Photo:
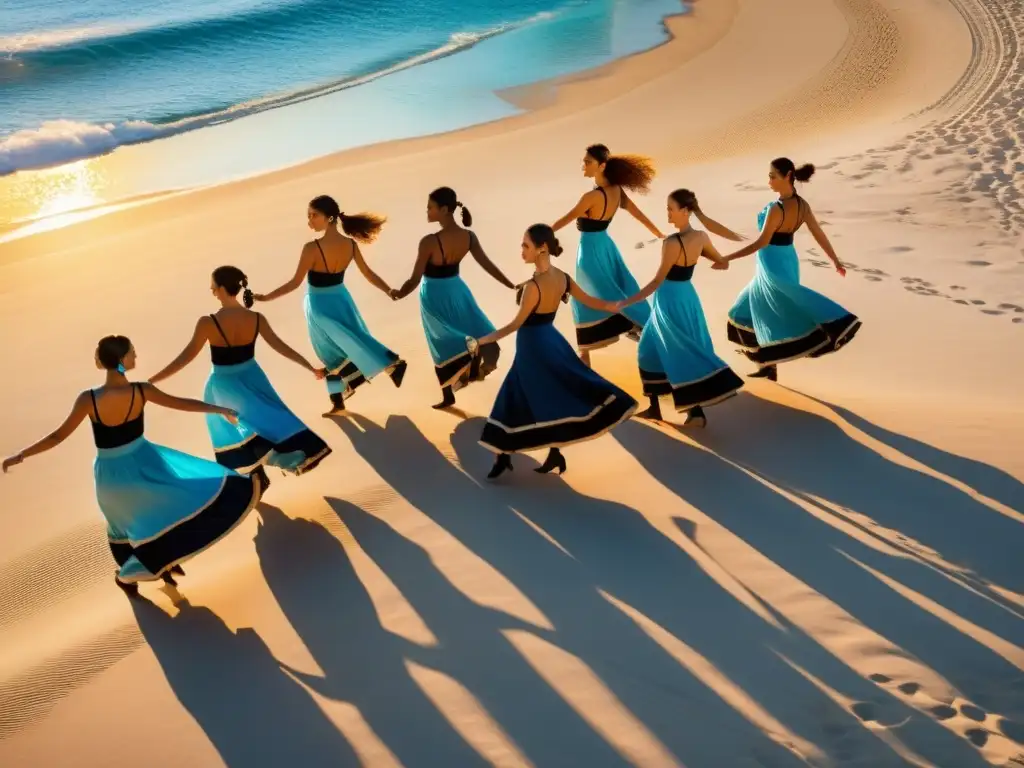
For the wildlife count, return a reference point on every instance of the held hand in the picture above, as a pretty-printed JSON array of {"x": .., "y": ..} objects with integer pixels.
[
  {"x": 231, "y": 415},
  {"x": 840, "y": 269},
  {"x": 13, "y": 461},
  {"x": 393, "y": 293},
  {"x": 259, "y": 297},
  {"x": 617, "y": 306},
  {"x": 720, "y": 265},
  {"x": 320, "y": 373}
]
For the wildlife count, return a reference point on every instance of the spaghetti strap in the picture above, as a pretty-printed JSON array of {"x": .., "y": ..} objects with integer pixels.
[
  {"x": 95, "y": 410},
  {"x": 257, "y": 335},
  {"x": 683, "y": 246},
  {"x": 220, "y": 330},
  {"x": 131, "y": 405},
  {"x": 142, "y": 393},
  {"x": 441, "y": 246},
  {"x": 604, "y": 206},
  {"x": 322, "y": 256}
]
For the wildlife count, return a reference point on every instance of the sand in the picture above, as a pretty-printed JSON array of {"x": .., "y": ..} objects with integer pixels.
[{"x": 828, "y": 575}]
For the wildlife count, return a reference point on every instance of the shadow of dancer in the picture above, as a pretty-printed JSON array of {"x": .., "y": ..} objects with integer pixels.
[
  {"x": 984, "y": 478},
  {"x": 474, "y": 651},
  {"x": 254, "y": 714},
  {"x": 688, "y": 718},
  {"x": 825, "y": 558},
  {"x": 320, "y": 593},
  {"x": 809, "y": 454}
]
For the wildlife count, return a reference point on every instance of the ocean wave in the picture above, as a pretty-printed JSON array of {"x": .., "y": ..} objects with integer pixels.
[{"x": 61, "y": 141}]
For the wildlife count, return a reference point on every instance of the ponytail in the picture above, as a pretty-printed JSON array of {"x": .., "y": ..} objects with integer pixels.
[
  {"x": 445, "y": 197},
  {"x": 632, "y": 172},
  {"x": 790, "y": 172},
  {"x": 363, "y": 227}
]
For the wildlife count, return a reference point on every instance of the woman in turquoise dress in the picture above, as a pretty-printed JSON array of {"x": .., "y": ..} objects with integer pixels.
[
  {"x": 266, "y": 432},
  {"x": 776, "y": 319},
  {"x": 161, "y": 506},
  {"x": 447, "y": 308},
  {"x": 340, "y": 338},
  {"x": 600, "y": 269},
  {"x": 675, "y": 355},
  {"x": 549, "y": 398}
]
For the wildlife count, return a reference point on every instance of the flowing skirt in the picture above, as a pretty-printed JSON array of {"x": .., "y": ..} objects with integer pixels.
[
  {"x": 601, "y": 272},
  {"x": 163, "y": 506},
  {"x": 342, "y": 341},
  {"x": 450, "y": 314},
  {"x": 550, "y": 399},
  {"x": 676, "y": 355},
  {"x": 776, "y": 319},
  {"x": 267, "y": 432}
]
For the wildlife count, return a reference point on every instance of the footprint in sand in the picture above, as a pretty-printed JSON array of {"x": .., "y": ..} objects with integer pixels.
[
  {"x": 943, "y": 711},
  {"x": 973, "y": 712},
  {"x": 979, "y": 263},
  {"x": 1013, "y": 307},
  {"x": 978, "y": 302},
  {"x": 1018, "y": 319},
  {"x": 957, "y": 288},
  {"x": 900, "y": 249},
  {"x": 909, "y": 688},
  {"x": 873, "y": 278},
  {"x": 873, "y": 271},
  {"x": 977, "y": 736},
  {"x": 993, "y": 312}
]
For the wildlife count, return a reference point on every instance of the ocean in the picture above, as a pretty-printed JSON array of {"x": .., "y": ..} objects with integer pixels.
[{"x": 81, "y": 78}]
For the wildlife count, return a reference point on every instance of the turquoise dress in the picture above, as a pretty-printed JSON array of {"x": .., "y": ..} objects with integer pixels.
[
  {"x": 267, "y": 432},
  {"x": 675, "y": 355},
  {"x": 775, "y": 318},
  {"x": 340, "y": 338},
  {"x": 161, "y": 506},
  {"x": 601, "y": 272},
  {"x": 450, "y": 314},
  {"x": 549, "y": 398}
]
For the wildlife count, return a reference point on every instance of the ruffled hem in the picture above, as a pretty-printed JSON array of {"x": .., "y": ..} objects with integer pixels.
[
  {"x": 780, "y": 351},
  {"x": 712, "y": 389},
  {"x": 604, "y": 332},
  {"x": 238, "y": 496},
  {"x": 500, "y": 438},
  {"x": 465, "y": 368},
  {"x": 258, "y": 450}
]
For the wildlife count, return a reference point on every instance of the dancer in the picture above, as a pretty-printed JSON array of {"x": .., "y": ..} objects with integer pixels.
[
  {"x": 600, "y": 269},
  {"x": 266, "y": 431},
  {"x": 549, "y": 398},
  {"x": 161, "y": 506},
  {"x": 447, "y": 308},
  {"x": 776, "y": 319},
  {"x": 676, "y": 355},
  {"x": 339, "y": 336}
]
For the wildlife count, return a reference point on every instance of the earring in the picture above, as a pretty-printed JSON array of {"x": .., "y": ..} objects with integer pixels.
[{"x": 120, "y": 367}]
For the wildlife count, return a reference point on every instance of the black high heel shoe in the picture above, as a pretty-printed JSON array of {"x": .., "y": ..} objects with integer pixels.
[
  {"x": 555, "y": 460},
  {"x": 447, "y": 401},
  {"x": 503, "y": 462},
  {"x": 398, "y": 372},
  {"x": 129, "y": 588},
  {"x": 337, "y": 405},
  {"x": 695, "y": 417},
  {"x": 769, "y": 372}
]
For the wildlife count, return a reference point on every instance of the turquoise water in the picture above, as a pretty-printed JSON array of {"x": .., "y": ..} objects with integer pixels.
[{"x": 234, "y": 88}]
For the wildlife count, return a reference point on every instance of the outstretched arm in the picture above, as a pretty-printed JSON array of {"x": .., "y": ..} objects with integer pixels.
[
  {"x": 422, "y": 257},
  {"x": 527, "y": 303},
  {"x": 195, "y": 345},
  {"x": 275, "y": 343},
  {"x": 79, "y": 411},
  {"x": 578, "y": 210},
  {"x": 771, "y": 223},
  {"x": 670, "y": 250},
  {"x": 819, "y": 234},
  {"x": 158, "y": 396},
  {"x": 368, "y": 273},
  {"x": 305, "y": 262},
  {"x": 637, "y": 214},
  {"x": 593, "y": 302},
  {"x": 708, "y": 251},
  {"x": 715, "y": 228},
  {"x": 489, "y": 267}
]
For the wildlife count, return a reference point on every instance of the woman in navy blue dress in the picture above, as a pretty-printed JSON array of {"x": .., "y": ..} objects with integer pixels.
[{"x": 549, "y": 398}]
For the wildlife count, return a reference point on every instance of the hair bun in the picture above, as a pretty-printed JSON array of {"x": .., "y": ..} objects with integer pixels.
[{"x": 556, "y": 248}]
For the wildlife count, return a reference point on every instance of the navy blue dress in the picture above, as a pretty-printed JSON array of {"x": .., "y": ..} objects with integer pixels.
[{"x": 549, "y": 398}]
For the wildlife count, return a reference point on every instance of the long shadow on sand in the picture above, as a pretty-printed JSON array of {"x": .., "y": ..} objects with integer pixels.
[
  {"x": 825, "y": 557},
  {"x": 983, "y": 478},
  {"x": 252, "y": 712},
  {"x": 605, "y": 546},
  {"x": 319, "y": 591}
]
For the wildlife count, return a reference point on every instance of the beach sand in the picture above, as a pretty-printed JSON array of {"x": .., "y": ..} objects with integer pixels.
[{"x": 830, "y": 574}]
